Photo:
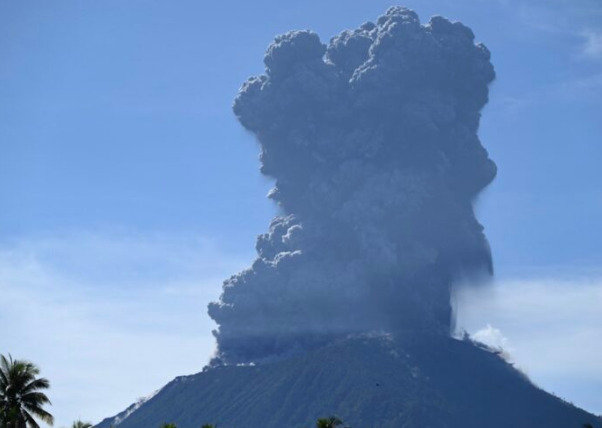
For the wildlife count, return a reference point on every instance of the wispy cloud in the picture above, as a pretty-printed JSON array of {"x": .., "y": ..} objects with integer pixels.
[
  {"x": 578, "y": 88},
  {"x": 576, "y": 24},
  {"x": 592, "y": 46},
  {"x": 558, "y": 15},
  {"x": 572, "y": 30},
  {"x": 109, "y": 316},
  {"x": 534, "y": 317}
]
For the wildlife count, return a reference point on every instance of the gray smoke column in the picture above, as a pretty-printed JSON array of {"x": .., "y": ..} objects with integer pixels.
[{"x": 372, "y": 141}]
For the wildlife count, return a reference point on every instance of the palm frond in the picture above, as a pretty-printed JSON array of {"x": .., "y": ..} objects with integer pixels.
[
  {"x": 30, "y": 420},
  {"x": 35, "y": 399},
  {"x": 36, "y": 384},
  {"x": 40, "y": 414},
  {"x": 21, "y": 399}
]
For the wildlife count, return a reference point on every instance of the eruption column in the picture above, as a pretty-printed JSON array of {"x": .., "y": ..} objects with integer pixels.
[{"x": 372, "y": 141}]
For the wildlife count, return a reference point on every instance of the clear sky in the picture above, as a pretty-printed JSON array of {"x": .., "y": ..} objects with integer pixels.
[{"x": 128, "y": 191}]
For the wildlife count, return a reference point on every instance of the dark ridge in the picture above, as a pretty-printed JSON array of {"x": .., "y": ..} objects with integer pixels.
[{"x": 368, "y": 382}]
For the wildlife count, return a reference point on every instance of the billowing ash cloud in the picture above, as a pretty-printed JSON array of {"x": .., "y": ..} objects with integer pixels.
[{"x": 373, "y": 144}]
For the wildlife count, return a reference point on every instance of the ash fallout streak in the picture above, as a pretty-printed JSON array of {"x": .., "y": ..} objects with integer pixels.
[{"x": 372, "y": 141}]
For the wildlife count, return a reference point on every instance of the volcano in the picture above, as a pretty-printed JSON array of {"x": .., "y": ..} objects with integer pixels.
[
  {"x": 372, "y": 143},
  {"x": 369, "y": 381}
]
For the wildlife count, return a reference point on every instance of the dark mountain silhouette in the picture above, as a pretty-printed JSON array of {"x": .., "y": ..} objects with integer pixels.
[{"x": 412, "y": 381}]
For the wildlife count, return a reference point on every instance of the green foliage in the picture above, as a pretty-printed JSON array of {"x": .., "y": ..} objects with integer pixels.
[
  {"x": 21, "y": 398},
  {"x": 329, "y": 422},
  {"x": 81, "y": 424}
]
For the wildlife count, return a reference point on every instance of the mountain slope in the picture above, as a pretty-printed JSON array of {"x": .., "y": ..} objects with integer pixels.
[{"x": 368, "y": 382}]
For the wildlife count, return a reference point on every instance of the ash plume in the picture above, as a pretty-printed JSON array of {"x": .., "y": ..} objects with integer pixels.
[{"x": 372, "y": 142}]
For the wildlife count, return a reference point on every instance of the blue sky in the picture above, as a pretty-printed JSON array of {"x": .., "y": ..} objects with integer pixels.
[{"x": 129, "y": 191}]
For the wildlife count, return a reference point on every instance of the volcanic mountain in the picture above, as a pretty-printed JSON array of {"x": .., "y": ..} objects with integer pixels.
[{"x": 367, "y": 381}]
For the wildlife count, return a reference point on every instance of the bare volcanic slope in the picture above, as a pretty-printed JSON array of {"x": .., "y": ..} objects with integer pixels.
[{"x": 379, "y": 382}]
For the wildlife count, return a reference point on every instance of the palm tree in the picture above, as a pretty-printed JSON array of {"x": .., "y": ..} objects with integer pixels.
[
  {"x": 21, "y": 398},
  {"x": 329, "y": 422},
  {"x": 80, "y": 424}
]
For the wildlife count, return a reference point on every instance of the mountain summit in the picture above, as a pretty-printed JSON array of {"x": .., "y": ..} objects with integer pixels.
[{"x": 377, "y": 381}]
